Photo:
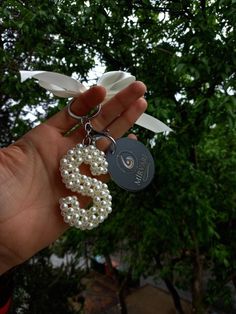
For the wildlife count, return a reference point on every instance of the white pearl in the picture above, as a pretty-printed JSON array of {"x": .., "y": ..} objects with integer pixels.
[
  {"x": 69, "y": 167},
  {"x": 76, "y": 216},
  {"x": 97, "y": 199},
  {"x": 77, "y": 182},
  {"x": 64, "y": 207},
  {"x": 64, "y": 173},
  {"x": 69, "y": 184},
  {"x": 94, "y": 217},
  {"x": 79, "y": 159},
  {"x": 103, "y": 203},
  {"x": 78, "y": 224},
  {"x": 76, "y": 204},
  {"x": 87, "y": 184},
  {"x": 101, "y": 218},
  {"x": 82, "y": 211},
  {"x": 93, "y": 209},
  {"x": 64, "y": 162},
  {"x": 85, "y": 219},
  {"x": 71, "y": 210},
  {"x": 91, "y": 192},
  {"x": 67, "y": 218},
  {"x": 109, "y": 197}
]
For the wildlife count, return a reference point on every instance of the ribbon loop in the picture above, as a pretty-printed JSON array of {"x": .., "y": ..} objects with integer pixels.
[{"x": 64, "y": 86}]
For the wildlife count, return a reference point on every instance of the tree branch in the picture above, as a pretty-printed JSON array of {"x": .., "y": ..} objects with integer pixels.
[{"x": 171, "y": 288}]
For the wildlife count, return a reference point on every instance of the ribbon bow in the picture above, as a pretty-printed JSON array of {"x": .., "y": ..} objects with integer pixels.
[{"x": 64, "y": 86}]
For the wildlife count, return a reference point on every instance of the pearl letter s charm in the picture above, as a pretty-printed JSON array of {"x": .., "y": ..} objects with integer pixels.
[{"x": 75, "y": 181}]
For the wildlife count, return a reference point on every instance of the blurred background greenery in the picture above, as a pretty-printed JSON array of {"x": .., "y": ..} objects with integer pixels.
[{"x": 182, "y": 227}]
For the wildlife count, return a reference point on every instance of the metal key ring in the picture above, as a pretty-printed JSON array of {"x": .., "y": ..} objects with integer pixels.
[
  {"x": 105, "y": 134},
  {"x": 93, "y": 135},
  {"x": 82, "y": 119}
]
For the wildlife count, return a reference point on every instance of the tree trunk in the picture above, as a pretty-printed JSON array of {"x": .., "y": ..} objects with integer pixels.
[
  {"x": 234, "y": 282},
  {"x": 121, "y": 286},
  {"x": 121, "y": 297},
  {"x": 197, "y": 285},
  {"x": 86, "y": 257},
  {"x": 174, "y": 294}
]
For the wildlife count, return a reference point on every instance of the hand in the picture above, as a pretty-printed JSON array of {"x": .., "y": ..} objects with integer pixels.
[{"x": 30, "y": 182}]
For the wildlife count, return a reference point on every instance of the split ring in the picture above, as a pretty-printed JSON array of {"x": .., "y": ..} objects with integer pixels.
[{"x": 82, "y": 119}]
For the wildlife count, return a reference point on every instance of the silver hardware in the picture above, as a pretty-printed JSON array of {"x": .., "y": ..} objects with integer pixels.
[
  {"x": 82, "y": 119},
  {"x": 92, "y": 136}
]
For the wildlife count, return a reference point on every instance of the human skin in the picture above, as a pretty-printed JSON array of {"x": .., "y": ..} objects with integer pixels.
[{"x": 30, "y": 182}]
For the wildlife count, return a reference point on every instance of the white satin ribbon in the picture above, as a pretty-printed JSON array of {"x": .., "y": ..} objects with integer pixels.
[{"x": 64, "y": 86}]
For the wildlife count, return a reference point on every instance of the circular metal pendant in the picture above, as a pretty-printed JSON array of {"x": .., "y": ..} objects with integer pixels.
[{"x": 130, "y": 164}]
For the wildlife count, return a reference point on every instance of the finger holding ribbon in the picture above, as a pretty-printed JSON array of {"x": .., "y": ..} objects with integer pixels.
[{"x": 117, "y": 114}]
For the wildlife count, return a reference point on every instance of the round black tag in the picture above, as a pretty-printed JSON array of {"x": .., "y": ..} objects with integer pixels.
[{"x": 130, "y": 164}]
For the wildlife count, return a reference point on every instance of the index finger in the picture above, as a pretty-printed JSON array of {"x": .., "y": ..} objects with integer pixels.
[{"x": 81, "y": 106}]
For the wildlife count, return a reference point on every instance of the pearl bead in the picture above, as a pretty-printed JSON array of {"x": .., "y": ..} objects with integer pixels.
[
  {"x": 97, "y": 199},
  {"x": 109, "y": 197},
  {"x": 64, "y": 161},
  {"x": 101, "y": 218},
  {"x": 79, "y": 159},
  {"x": 76, "y": 203},
  {"x": 71, "y": 210},
  {"x": 85, "y": 219},
  {"x": 70, "y": 184},
  {"x": 94, "y": 217},
  {"x": 93, "y": 209},
  {"x": 76, "y": 217},
  {"x": 65, "y": 173},
  {"x": 90, "y": 192},
  {"x": 82, "y": 212},
  {"x": 67, "y": 218},
  {"x": 78, "y": 224},
  {"x": 64, "y": 206}
]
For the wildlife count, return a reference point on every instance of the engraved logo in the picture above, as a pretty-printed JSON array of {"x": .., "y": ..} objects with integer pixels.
[{"x": 127, "y": 161}]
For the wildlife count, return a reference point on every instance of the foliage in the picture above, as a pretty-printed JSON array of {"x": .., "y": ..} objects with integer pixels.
[
  {"x": 182, "y": 227},
  {"x": 36, "y": 293}
]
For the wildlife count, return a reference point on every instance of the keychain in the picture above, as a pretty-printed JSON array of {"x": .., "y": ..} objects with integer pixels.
[
  {"x": 85, "y": 185},
  {"x": 128, "y": 161}
]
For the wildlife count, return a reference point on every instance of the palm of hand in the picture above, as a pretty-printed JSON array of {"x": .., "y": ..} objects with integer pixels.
[{"x": 29, "y": 174}]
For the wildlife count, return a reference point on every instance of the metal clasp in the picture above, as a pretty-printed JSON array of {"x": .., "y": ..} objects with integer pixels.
[{"x": 92, "y": 136}]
